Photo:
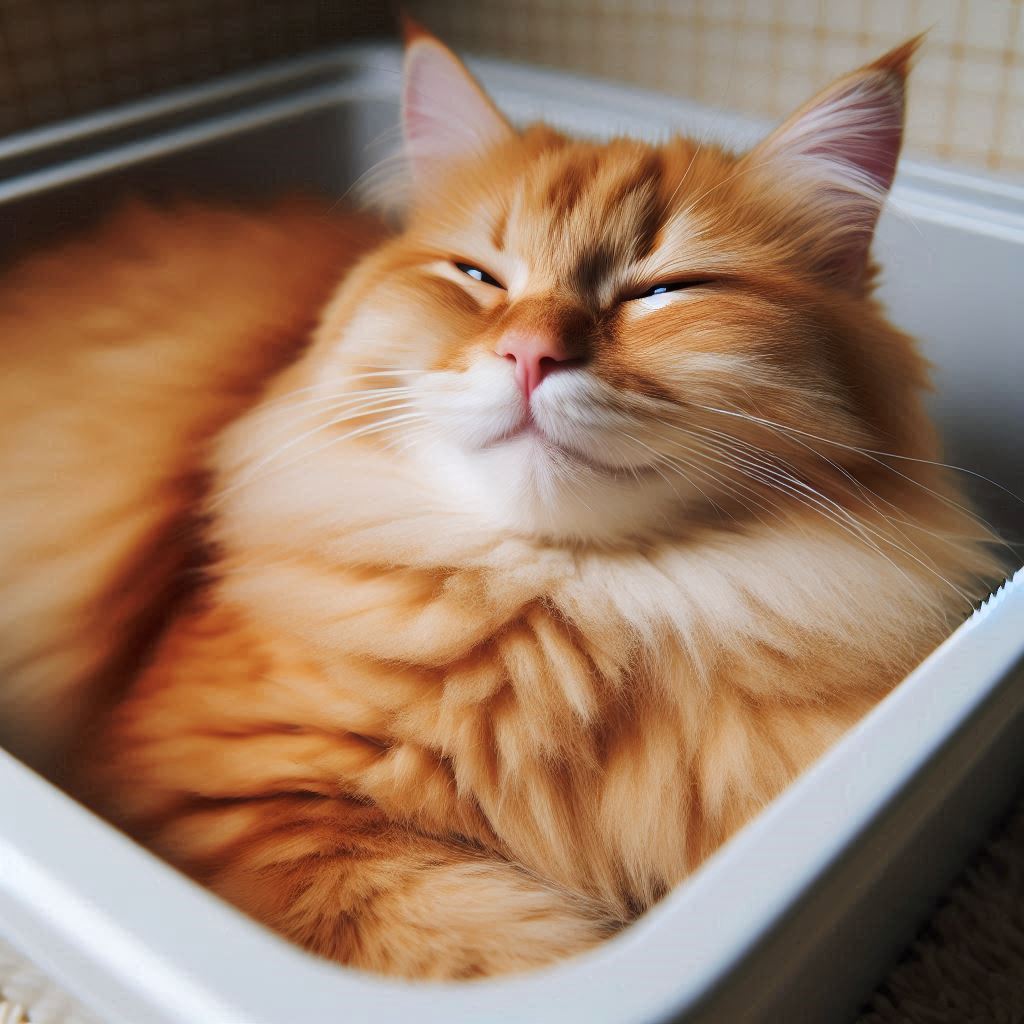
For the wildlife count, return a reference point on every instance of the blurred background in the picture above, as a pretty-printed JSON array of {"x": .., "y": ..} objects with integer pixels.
[{"x": 59, "y": 58}]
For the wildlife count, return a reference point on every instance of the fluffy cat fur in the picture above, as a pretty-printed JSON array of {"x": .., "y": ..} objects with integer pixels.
[
  {"x": 123, "y": 353},
  {"x": 478, "y": 671}
]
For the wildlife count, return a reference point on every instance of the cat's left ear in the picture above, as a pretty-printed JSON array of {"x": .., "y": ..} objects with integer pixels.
[
  {"x": 838, "y": 154},
  {"x": 446, "y": 116}
]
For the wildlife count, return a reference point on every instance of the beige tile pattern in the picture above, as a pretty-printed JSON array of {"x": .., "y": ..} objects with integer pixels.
[
  {"x": 59, "y": 58},
  {"x": 63, "y": 57},
  {"x": 766, "y": 56}
]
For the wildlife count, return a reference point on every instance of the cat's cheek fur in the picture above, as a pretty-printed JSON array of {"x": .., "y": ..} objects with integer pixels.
[{"x": 475, "y": 408}]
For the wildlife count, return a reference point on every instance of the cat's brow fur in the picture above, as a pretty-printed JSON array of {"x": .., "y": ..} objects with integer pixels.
[{"x": 453, "y": 701}]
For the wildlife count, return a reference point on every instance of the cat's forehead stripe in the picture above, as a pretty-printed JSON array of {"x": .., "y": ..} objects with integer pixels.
[
  {"x": 499, "y": 228},
  {"x": 570, "y": 181},
  {"x": 600, "y": 206}
]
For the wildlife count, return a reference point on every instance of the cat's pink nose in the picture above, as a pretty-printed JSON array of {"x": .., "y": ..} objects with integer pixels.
[{"x": 535, "y": 354}]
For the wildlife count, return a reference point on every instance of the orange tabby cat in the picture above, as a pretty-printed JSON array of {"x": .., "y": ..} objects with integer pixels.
[{"x": 563, "y": 548}]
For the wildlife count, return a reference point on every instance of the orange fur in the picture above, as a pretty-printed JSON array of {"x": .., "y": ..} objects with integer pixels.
[
  {"x": 471, "y": 683},
  {"x": 123, "y": 352}
]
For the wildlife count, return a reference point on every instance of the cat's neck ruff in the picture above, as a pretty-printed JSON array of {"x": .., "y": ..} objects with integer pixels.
[{"x": 777, "y": 584}]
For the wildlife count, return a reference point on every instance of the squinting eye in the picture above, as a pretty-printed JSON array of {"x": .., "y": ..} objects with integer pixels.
[
  {"x": 673, "y": 286},
  {"x": 479, "y": 275}
]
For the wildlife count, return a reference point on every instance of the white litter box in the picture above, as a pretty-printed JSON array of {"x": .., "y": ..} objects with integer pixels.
[{"x": 800, "y": 914}]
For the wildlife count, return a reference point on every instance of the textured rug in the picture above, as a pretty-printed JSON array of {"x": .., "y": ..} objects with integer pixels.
[
  {"x": 27, "y": 996},
  {"x": 967, "y": 964},
  {"x": 965, "y": 967}
]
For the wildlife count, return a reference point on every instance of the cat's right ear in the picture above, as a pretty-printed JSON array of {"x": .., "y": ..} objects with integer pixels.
[{"x": 446, "y": 116}]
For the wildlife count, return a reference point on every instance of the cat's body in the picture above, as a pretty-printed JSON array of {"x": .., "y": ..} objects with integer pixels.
[
  {"x": 521, "y": 600},
  {"x": 324, "y": 735},
  {"x": 122, "y": 354}
]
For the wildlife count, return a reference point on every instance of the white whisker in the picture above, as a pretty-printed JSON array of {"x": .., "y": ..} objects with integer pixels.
[
  {"x": 258, "y": 470},
  {"x": 871, "y": 454}
]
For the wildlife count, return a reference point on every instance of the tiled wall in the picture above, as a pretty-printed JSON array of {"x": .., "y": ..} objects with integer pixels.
[
  {"x": 59, "y": 58},
  {"x": 63, "y": 57},
  {"x": 767, "y": 56}
]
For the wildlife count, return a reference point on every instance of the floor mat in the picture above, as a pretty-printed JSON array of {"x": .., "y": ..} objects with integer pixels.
[{"x": 967, "y": 964}]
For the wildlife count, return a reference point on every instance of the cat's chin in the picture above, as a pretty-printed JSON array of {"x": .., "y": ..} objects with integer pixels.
[
  {"x": 549, "y": 455},
  {"x": 528, "y": 484}
]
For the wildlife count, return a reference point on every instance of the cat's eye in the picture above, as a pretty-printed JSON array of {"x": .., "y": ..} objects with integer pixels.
[
  {"x": 669, "y": 286},
  {"x": 479, "y": 275}
]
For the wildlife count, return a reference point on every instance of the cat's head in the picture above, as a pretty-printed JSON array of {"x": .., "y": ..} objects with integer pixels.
[{"x": 596, "y": 340}]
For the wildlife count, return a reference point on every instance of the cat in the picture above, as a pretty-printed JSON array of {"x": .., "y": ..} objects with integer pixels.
[{"x": 564, "y": 546}]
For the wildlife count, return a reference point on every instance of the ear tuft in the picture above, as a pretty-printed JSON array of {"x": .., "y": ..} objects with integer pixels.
[
  {"x": 900, "y": 58},
  {"x": 446, "y": 116},
  {"x": 411, "y": 29}
]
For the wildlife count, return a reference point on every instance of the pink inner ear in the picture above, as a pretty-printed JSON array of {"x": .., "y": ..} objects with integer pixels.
[
  {"x": 848, "y": 139},
  {"x": 446, "y": 115},
  {"x": 842, "y": 150},
  {"x": 860, "y": 129}
]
